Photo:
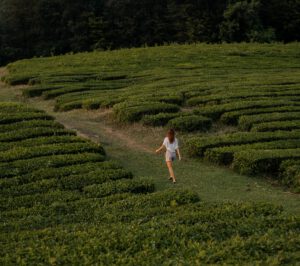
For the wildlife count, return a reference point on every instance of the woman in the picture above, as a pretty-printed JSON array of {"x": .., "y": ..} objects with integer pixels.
[{"x": 171, "y": 145}]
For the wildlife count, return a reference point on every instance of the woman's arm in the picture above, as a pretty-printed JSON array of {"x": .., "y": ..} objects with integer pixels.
[
  {"x": 178, "y": 153},
  {"x": 160, "y": 149}
]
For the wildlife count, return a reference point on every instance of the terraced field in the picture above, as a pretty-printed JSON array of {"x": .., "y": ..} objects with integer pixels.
[
  {"x": 63, "y": 203},
  {"x": 241, "y": 103}
]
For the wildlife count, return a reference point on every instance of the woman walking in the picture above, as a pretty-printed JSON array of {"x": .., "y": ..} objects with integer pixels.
[{"x": 170, "y": 144}]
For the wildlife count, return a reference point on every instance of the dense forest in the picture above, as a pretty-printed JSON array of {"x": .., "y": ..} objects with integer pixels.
[{"x": 48, "y": 27}]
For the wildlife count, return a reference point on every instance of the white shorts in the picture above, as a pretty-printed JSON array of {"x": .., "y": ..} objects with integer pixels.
[{"x": 170, "y": 156}]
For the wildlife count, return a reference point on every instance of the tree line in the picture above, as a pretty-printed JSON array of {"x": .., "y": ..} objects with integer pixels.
[{"x": 31, "y": 28}]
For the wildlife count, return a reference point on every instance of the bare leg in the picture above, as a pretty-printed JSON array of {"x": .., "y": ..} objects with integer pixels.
[{"x": 170, "y": 167}]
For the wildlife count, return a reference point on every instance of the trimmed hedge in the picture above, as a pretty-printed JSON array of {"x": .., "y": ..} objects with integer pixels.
[
  {"x": 21, "y": 153},
  {"x": 290, "y": 174},
  {"x": 277, "y": 125},
  {"x": 11, "y": 107},
  {"x": 131, "y": 112},
  {"x": 73, "y": 182},
  {"x": 7, "y": 118},
  {"x": 99, "y": 176},
  {"x": 38, "y": 141},
  {"x": 231, "y": 118},
  {"x": 28, "y": 201},
  {"x": 253, "y": 162},
  {"x": 36, "y": 91},
  {"x": 27, "y": 133},
  {"x": 160, "y": 119},
  {"x": 22, "y": 167},
  {"x": 64, "y": 171},
  {"x": 224, "y": 155},
  {"x": 198, "y": 145},
  {"x": 135, "y": 186},
  {"x": 190, "y": 123},
  {"x": 215, "y": 111},
  {"x": 239, "y": 95},
  {"x": 246, "y": 121},
  {"x": 30, "y": 124}
]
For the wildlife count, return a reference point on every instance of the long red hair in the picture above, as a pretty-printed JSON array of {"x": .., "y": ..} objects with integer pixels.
[{"x": 171, "y": 135}]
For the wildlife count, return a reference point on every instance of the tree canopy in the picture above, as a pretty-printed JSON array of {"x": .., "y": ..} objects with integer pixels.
[{"x": 31, "y": 28}]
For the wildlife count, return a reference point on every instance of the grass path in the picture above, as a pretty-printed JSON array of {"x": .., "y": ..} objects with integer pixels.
[{"x": 133, "y": 146}]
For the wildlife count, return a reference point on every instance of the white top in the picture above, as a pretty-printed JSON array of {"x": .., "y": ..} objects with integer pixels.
[{"x": 171, "y": 147}]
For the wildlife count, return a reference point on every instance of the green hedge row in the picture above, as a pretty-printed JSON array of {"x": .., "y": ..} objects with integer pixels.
[
  {"x": 190, "y": 123},
  {"x": 117, "y": 203},
  {"x": 231, "y": 118},
  {"x": 22, "y": 167},
  {"x": 247, "y": 121},
  {"x": 198, "y": 145},
  {"x": 38, "y": 141},
  {"x": 120, "y": 186},
  {"x": 64, "y": 171},
  {"x": 144, "y": 239},
  {"x": 28, "y": 201},
  {"x": 290, "y": 174},
  {"x": 27, "y": 133},
  {"x": 18, "y": 79},
  {"x": 240, "y": 95},
  {"x": 225, "y": 155},
  {"x": 275, "y": 126},
  {"x": 22, "y": 153},
  {"x": 131, "y": 112},
  {"x": 160, "y": 119},
  {"x": 252, "y": 162},
  {"x": 38, "y": 90},
  {"x": 115, "y": 208},
  {"x": 73, "y": 182},
  {"x": 7, "y": 118},
  {"x": 11, "y": 107},
  {"x": 29, "y": 124},
  {"x": 215, "y": 111},
  {"x": 99, "y": 176}
]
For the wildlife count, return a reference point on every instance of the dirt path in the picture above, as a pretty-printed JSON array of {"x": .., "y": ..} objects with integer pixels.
[{"x": 88, "y": 126}]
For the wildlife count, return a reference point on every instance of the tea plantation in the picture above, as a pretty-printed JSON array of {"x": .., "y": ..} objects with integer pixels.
[
  {"x": 63, "y": 203},
  {"x": 241, "y": 103}
]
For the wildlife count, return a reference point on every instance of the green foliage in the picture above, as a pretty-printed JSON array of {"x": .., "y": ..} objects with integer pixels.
[
  {"x": 120, "y": 186},
  {"x": 277, "y": 125},
  {"x": 215, "y": 111},
  {"x": 62, "y": 189},
  {"x": 198, "y": 145},
  {"x": 134, "y": 111},
  {"x": 290, "y": 174},
  {"x": 253, "y": 162},
  {"x": 225, "y": 155},
  {"x": 246, "y": 121},
  {"x": 160, "y": 119},
  {"x": 190, "y": 123}
]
